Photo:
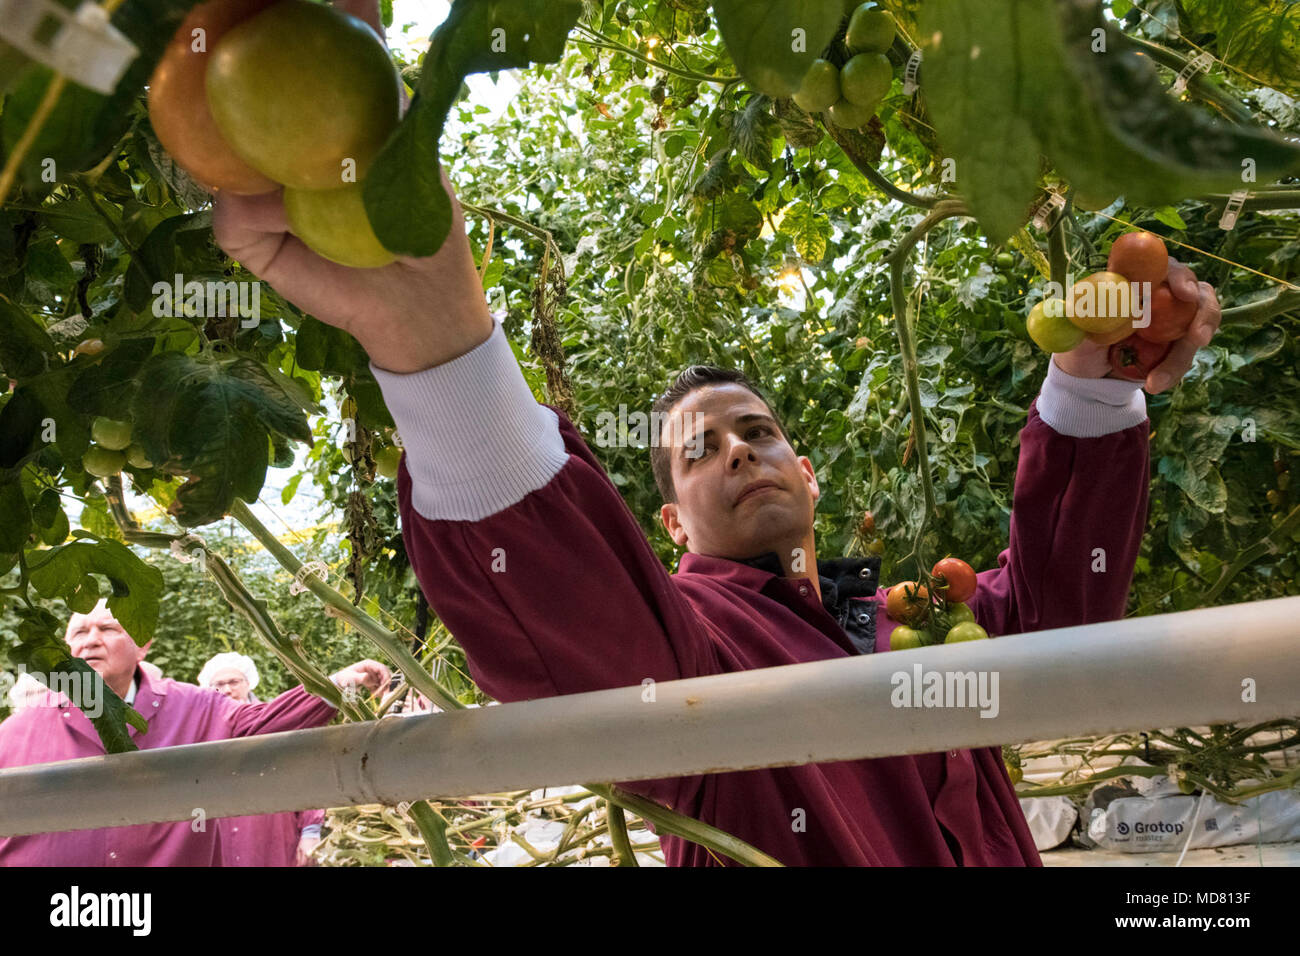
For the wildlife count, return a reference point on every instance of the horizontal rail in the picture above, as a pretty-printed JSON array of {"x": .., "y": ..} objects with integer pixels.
[{"x": 1184, "y": 669}]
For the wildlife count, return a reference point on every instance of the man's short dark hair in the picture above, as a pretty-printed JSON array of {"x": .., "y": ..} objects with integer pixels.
[{"x": 695, "y": 377}]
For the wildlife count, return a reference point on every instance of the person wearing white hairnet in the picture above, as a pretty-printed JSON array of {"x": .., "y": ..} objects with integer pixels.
[{"x": 273, "y": 839}]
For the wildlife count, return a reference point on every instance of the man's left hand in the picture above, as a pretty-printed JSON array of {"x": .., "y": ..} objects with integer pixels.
[{"x": 1091, "y": 360}]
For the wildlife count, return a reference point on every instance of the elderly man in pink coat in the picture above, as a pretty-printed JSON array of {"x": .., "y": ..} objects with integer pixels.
[
  {"x": 52, "y": 730},
  {"x": 270, "y": 839}
]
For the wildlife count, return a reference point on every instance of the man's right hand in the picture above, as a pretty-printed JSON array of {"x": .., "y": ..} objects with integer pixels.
[{"x": 409, "y": 315}]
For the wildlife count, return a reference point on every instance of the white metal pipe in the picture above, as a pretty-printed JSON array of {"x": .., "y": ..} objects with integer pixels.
[{"x": 1184, "y": 669}]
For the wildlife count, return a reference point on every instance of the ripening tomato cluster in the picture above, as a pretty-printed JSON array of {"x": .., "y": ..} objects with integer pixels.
[
  {"x": 1108, "y": 308},
  {"x": 252, "y": 95},
  {"x": 851, "y": 94},
  {"x": 943, "y": 617}
]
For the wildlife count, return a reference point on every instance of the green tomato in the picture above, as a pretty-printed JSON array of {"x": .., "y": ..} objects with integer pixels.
[
  {"x": 387, "y": 460},
  {"x": 110, "y": 434},
  {"x": 136, "y": 457},
  {"x": 865, "y": 80},
  {"x": 850, "y": 116},
  {"x": 103, "y": 462},
  {"x": 820, "y": 89},
  {"x": 960, "y": 614},
  {"x": 1053, "y": 333},
  {"x": 300, "y": 89},
  {"x": 333, "y": 224},
  {"x": 1005, "y": 260},
  {"x": 870, "y": 30},
  {"x": 904, "y": 638},
  {"x": 968, "y": 631}
]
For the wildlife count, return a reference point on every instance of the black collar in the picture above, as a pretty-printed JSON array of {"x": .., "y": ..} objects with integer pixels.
[{"x": 841, "y": 578}]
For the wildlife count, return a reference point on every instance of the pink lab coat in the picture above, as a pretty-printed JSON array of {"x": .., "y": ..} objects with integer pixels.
[
  {"x": 267, "y": 840},
  {"x": 177, "y": 714}
]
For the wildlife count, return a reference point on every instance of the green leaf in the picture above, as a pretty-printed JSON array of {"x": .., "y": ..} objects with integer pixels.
[
  {"x": 137, "y": 587},
  {"x": 754, "y": 130},
  {"x": 24, "y": 343},
  {"x": 810, "y": 231},
  {"x": 740, "y": 215},
  {"x": 48, "y": 274},
  {"x": 76, "y": 220},
  {"x": 997, "y": 49},
  {"x": 1120, "y": 132},
  {"x": 1169, "y": 216},
  {"x": 44, "y": 653},
  {"x": 15, "y": 517},
  {"x": 20, "y": 428},
  {"x": 208, "y": 418},
  {"x": 155, "y": 260},
  {"x": 107, "y": 387},
  {"x": 773, "y": 42},
  {"x": 1260, "y": 38},
  {"x": 408, "y": 208},
  {"x": 324, "y": 348},
  {"x": 1259, "y": 345}
]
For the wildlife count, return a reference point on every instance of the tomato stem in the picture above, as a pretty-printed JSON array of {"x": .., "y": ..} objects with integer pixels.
[{"x": 897, "y": 259}]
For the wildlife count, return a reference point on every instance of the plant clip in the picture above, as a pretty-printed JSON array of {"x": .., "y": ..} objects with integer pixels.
[
  {"x": 910, "y": 85},
  {"x": 1050, "y": 204},
  {"x": 83, "y": 46},
  {"x": 181, "y": 547},
  {"x": 318, "y": 568},
  {"x": 1233, "y": 209},
  {"x": 1200, "y": 63}
]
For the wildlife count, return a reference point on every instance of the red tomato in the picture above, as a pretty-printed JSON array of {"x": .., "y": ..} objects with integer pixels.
[
  {"x": 1139, "y": 257},
  {"x": 1170, "y": 316},
  {"x": 954, "y": 580},
  {"x": 1135, "y": 357}
]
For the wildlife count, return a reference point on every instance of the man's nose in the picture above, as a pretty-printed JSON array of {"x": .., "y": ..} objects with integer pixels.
[{"x": 740, "y": 451}]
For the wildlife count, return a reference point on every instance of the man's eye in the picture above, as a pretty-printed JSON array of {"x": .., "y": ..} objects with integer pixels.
[{"x": 760, "y": 429}]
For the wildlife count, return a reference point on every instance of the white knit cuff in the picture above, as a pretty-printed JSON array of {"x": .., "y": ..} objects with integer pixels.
[
  {"x": 1089, "y": 407},
  {"x": 475, "y": 439}
]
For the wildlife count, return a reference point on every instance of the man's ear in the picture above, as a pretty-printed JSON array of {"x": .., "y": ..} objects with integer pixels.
[
  {"x": 142, "y": 652},
  {"x": 810, "y": 476},
  {"x": 668, "y": 515}
]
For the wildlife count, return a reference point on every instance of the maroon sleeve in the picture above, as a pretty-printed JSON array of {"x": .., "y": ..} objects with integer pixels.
[
  {"x": 293, "y": 710},
  {"x": 1077, "y": 518},
  {"x": 559, "y": 593}
]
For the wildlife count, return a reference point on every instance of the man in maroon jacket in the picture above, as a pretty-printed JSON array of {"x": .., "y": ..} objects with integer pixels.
[{"x": 529, "y": 554}]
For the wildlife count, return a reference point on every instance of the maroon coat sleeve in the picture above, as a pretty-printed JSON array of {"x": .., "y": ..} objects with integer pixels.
[
  {"x": 1078, "y": 514},
  {"x": 295, "y": 709},
  {"x": 559, "y": 593}
]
